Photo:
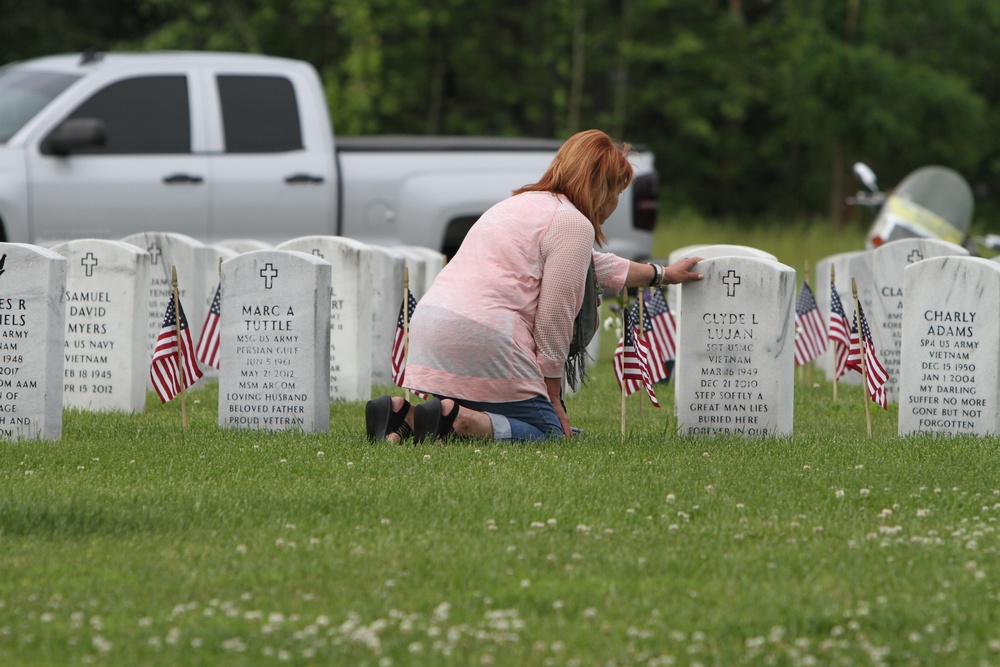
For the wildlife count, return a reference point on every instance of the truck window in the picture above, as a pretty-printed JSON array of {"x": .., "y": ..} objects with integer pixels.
[
  {"x": 23, "y": 93},
  {"x": 146, "y": 115},
  {"x": 259, "y": 114}
]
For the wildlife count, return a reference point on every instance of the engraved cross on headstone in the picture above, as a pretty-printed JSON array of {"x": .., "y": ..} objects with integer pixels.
[
  {"x": 914, "y": 256},
  {"x": 731, "y": 280},
  {"x": 88, "y": 263},
  {"x": 268, "y": 273},
  {"x": 154, "y": 250}
]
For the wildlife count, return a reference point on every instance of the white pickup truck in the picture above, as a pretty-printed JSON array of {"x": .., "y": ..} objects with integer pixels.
[{"x": 220, "y": 146}]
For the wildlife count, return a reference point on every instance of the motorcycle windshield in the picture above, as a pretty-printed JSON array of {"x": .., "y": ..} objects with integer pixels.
[{"x": 932, "y": 202}]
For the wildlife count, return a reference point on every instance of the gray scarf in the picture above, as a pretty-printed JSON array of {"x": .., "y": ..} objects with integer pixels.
[{"x": 584, "y": 328}]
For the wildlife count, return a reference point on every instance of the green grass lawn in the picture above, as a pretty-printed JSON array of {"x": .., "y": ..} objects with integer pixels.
[{"x": 130, "y": 542}]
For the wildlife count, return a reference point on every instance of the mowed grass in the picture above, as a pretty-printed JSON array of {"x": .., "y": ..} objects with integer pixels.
[{"x": 132, "y": 542}]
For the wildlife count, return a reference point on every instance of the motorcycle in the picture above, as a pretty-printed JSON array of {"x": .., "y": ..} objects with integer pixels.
[{"x": 932, "y": 202}]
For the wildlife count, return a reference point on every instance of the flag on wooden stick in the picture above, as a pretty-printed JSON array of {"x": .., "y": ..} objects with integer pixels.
[
  {"x": 631, "y": 361},
  {"x": 398, "y": 360},
  {"x": 165, "y": 369},
  {"x": 839, "y": 333},
  {"x": 875, "y": 374},
  {"x": 660, "y": 330},
  {"x": 810, "y": 334},
  {"x": 211, "y": 333}
]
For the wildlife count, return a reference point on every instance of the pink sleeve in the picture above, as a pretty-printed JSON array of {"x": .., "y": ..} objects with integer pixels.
[
  {"x": 566, "y": 251},
  {"x": 611, "y": 270}
]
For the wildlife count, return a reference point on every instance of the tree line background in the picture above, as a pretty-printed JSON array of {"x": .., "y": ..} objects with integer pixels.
[{"x": 755, "y": 109}]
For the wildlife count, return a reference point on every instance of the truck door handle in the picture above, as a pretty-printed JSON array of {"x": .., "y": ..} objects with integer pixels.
[
  {"x": 303, "y": 178},
  {"x": 182, "y": 178}
]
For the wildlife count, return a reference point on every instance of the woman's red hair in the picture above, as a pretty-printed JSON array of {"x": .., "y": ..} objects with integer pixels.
[{"x": 589, "y": 169}]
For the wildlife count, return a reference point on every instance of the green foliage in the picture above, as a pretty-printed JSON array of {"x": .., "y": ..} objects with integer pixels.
[{"x": 755, "y": 109}]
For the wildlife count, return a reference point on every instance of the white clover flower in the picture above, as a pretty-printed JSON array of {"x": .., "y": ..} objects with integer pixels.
[
  {"x": 525, "y": 583},
  {"x": 839, "y": 493},
  {"x": 921, "y": 513},
  {"x": 427, "y": 457},
  {"x": 320, "y": 454},
  {"x": 864, "y": 492}
]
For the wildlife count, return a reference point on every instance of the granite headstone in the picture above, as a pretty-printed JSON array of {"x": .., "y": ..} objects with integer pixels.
[
  {"x": 32, "y": 338},
  {"x": 886, "y": 314},
  {"x": 106, "y": 360},
  {"x": 949, "y": 382},
  {"x": 351, "y": 305},
  {"x": 275, "y": 347},
  {"x": 735, "y": 361}
]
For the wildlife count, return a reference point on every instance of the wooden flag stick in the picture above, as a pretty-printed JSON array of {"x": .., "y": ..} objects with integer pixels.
[
  {"x": 180, "y": 347},
  {"x": 642, "y": 327},
  {"x": 861, "y": 345},
  {"x": 809, "y": 365},
  {"x": 624, "y": 302},
  {"x": 406, "y": 322},
  {"x": 833, "y": 349}
]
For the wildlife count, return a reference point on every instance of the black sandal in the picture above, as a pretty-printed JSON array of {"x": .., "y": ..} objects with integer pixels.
[
  {"x": 381, "y": 420},
  {"x": 428, "y": 422}
]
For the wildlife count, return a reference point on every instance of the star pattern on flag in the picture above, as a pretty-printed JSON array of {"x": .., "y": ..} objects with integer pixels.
[
  {"x": 164, "y": 369},
  {"x": 839, "y": 332},
  {"x": 875, "y": 374},
  {"x": 631, "y": 361},
  {"x": 810, "y": 334},
  {"x": 660, "y": 330}
]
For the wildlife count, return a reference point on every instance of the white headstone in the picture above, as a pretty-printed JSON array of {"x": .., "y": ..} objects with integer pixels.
[
  {"x": 191, "y": 258},
  {"x": 886, "y": 314},
  {"x": 856, "y": 264},
  {"x": 949, "y": 381},
  {"x": 32, "y": 337},
  {"x": 735, "y": 363},
  {"x": 106, "y": 361},
  {"x": 416, "y": 265},
  {"x": 240, "y": 246},
  {"x": 387, "y": 295},
  {"x": 708, "y": 251},
  {"x": 212, "y": 268},
  {"x": 433, "y": 263},
  {"x": 275, "y": 348},
  {"x": 351, "y": 305}
]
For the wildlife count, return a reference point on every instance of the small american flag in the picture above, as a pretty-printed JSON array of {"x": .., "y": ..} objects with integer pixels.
[
  {"x": 398, "y": 361},
  {"x": 163, "y": 369},
  {"x": 874, "y": 370},
  {"x": 211, "y": 333},
  {"x": 631, "y": 361},
  {"x": 810, "y": 337},
  {"x": 839, "y": 332},
  {"x": 660, "y": 330}
]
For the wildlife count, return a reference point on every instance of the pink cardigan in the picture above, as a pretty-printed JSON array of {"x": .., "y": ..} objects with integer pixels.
[{"x": 499, "y": 317}]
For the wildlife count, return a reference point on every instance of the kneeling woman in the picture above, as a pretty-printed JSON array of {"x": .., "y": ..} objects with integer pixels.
[{"x": 491, "y": 337}]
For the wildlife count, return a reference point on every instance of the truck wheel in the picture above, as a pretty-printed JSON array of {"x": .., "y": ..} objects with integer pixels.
[
  {"x": 3, "y": 232},
  {"x": 455, "y": 234}
]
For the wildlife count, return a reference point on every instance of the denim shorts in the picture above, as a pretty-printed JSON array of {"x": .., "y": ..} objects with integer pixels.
[{"x": 530, "y": 419}]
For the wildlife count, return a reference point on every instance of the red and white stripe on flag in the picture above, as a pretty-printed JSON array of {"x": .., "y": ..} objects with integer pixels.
[
  {"x": 163, "y": 371},
  {"x": 876, "y": 375},
  {"x": 810, "y": 333},
  {"x": 211, "y": 334},
  {"x": 839, "y": 332},
  {"x": 631, "y": 362}
]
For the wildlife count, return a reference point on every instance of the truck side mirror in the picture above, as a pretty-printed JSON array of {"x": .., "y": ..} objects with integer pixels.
[{"x": 74, "y": 135}]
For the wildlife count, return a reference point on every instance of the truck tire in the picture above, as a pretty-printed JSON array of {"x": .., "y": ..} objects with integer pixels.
[
  {"x": 3, "y": 232},
  {"x": 455, "y": 234}
]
